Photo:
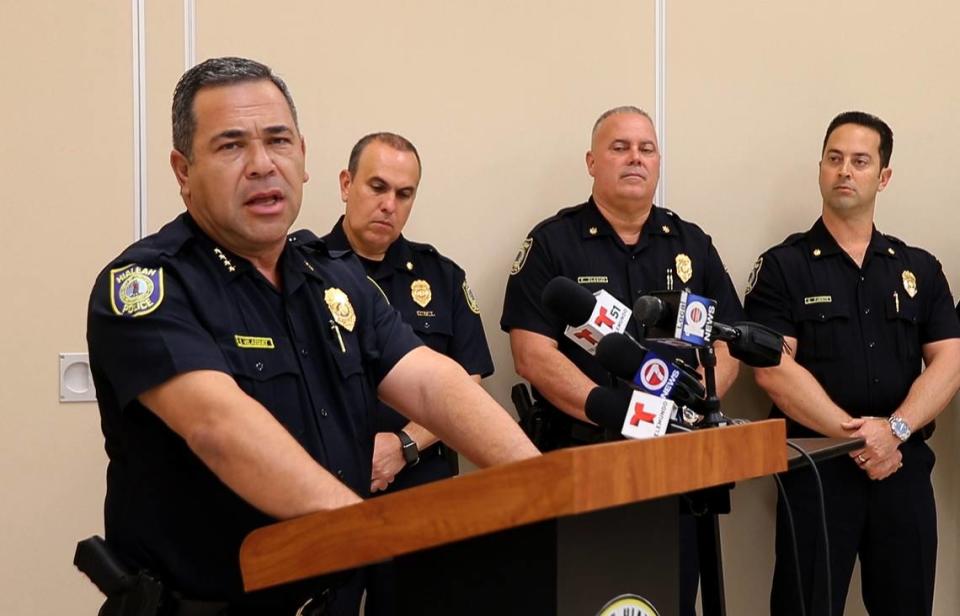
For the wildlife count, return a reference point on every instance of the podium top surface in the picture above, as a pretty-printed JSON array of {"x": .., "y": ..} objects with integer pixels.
[{"x": 561, "y": 483}]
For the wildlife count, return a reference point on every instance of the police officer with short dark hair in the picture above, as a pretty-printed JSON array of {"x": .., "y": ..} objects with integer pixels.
[
  {"x": 431, "y": 293},
  {"x": 861, "y": 313},
  {"x": 621, "y": 242},
  {"x": 379, "y": 187},
  {"x": 238, "y": 368}
]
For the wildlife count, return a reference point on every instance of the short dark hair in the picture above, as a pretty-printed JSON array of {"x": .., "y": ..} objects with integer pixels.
[
  {"x": 210, "y": 73},
  {"x": 393, "y": 140},
  {"x": 870, "y": 121}
]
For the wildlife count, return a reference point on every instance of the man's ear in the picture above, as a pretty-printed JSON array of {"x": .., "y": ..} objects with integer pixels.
[
  {"x": 181, "y": 169},
  {"x": 885, "y": 176},
  {"x": 345, "y": 182},
  {"x": 303, "y": 150},
  {"x": 589, "y": 159}
]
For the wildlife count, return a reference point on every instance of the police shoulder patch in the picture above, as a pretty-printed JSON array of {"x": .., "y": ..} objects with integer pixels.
[
  {"x": 521, "y": 257},
  {"x": 754, "y": 274},
  {"x": 470, "y": 297},
  {"x": 135, "y": 291}
]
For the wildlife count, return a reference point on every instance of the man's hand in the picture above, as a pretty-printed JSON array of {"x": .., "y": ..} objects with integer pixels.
[
  {"x": 387, "y": 460},
  {"x": 880, "y": 457}
]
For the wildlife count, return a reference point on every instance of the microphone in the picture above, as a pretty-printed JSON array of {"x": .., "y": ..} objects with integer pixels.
[
  {"x": 677, "y": 318},
  {"x": 589, "y": 317},
  {"x": 648, "y": 371},
  {"x": 636, "y": 414},
  {"x": 680, "y": 318}
]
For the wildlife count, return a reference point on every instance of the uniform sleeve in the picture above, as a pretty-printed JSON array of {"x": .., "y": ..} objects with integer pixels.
[
  {"x": 720, "y": 287},
  {"x": 767, "y": 301},
  {"x": 522, "y": 309},
  {"x": 940, "y": 320},
  {"x": 468, "y": 346},
  {"x": 138, "y": 353}
]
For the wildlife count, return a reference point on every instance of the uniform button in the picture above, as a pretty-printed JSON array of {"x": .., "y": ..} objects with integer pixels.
[
  {"x": 259, "y": 366},
  {"x": 866, "y": 311},
  {"x": 304, "y": 352},
  {"x": 340, "y": 473},
  {"x": 426, "y": 325},
  {"x": 872, "y": 344},
  {"x": 862, "y": 278},
  {"x": 323, "y": 412},
  {"x": 876, "y": 380}
]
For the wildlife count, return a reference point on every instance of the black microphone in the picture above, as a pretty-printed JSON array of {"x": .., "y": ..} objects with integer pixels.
[
  {"x": 752, "y": 343},
  {"x": 589, "y": 317},
  {"x": 568, "y": 300},
  {"x": 617, "y": 410},
  {"x": 643, "y": 368}
]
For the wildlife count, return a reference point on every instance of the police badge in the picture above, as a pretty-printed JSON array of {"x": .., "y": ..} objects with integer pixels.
[
  {"x": 135, "y": 291},
  {"x": 421, "y": 293},
  {"x": 684, "y": 267},
  {"x": 909, "y": 283},
  {"x": 340, "y": 308}
]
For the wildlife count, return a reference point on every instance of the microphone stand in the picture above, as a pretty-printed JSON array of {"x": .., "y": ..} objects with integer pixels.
[
  {"x": 713, "y": 417},
  {"x": 707, "y": 504}
]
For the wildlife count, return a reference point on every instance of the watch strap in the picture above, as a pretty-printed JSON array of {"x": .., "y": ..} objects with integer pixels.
[{"x": 409, "y": 449}]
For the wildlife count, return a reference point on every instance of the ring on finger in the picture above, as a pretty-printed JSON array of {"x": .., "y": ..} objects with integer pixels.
[{"x": 861, "y": 459}]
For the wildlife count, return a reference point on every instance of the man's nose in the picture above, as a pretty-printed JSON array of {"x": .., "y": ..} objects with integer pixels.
[{"x": 259, "y": 161}]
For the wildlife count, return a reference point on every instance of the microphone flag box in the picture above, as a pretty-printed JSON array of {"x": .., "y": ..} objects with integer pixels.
[
  {"x": 694, "y": 319},
  {"x": 648, "y": 416},
  {"x": 656, "y": 375},
  {"x": 609, "y": 315}
]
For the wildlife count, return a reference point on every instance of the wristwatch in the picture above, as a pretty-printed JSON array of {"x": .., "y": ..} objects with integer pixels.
[
  {"x": 411, "y": 453},
  {"x": 900, "y": 427}
]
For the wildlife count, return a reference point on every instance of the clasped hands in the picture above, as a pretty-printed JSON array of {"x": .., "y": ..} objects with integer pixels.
[{"x": 880, "y": 456}]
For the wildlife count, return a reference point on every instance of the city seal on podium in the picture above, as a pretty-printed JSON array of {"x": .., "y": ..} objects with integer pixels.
[{"x": 628, "y": 605}]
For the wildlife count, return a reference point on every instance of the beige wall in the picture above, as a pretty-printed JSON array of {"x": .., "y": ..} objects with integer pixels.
[{"x": 499, "y": 97}]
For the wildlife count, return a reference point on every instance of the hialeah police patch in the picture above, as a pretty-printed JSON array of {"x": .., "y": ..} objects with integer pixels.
[
  {"x": 628, "y": 605},
  {"x": 135, "y": 290}
]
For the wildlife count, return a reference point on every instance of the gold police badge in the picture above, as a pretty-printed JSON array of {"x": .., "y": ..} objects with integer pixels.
[
  {"x": 909, "y": 283},
  {"x": 340, "y": 308},
  {"x": 471, "y": 298},
  {"x": 684, "y": 267},
  {"x": 421, "y": 293},
  {"x": 628, "y": 605},
  {"x": 521, "y": 257}
]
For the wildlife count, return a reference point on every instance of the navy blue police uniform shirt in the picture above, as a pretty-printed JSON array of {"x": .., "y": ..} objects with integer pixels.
[
  {"x": 432, "y": 295},
  {"x": 579, "y": 243},
  {"x": 312, "y": 354},
  {"x": 860, "y": 331}
]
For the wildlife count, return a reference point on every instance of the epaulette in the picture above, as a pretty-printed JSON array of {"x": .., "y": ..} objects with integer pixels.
[
  {"x": 564, "y": 213},
  {"x": 308, "y": 240},
  {"x": 422, "y": 247},
  {"x": 895, "y": 240}
]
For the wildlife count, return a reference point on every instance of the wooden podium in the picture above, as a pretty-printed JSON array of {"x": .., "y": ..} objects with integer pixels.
[{"x": 560, "y": 534}]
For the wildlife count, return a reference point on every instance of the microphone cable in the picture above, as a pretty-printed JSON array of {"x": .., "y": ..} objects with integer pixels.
[
  {"x": 793, "y": 540},
  {"x": 823, "y": 521}
]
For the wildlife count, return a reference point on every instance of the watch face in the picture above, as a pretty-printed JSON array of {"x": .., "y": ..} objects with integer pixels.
[{"x": 900, "y": 428}]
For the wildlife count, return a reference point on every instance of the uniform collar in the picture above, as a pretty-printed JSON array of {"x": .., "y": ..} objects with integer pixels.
[
  {"x": 658, "y": 223},
  {"x": 822, "y": 244},
  {"x": 399, "y": 256},
  {"x": 227, "y": 262}
]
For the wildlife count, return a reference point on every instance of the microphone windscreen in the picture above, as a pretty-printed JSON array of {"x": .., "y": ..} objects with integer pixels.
[
  {"x": 619, "y": 354},
  {"x": 572, "y": 303},
  {"x": 648, "y": 310},
  {"x": 607, "y": 407}
]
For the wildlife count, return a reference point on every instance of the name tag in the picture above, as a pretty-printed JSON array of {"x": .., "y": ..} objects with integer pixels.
[
  {"x": 817, "y": 299},
  {"x": 253, "y": 342},
  {"x": 592, "y": 280}
]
